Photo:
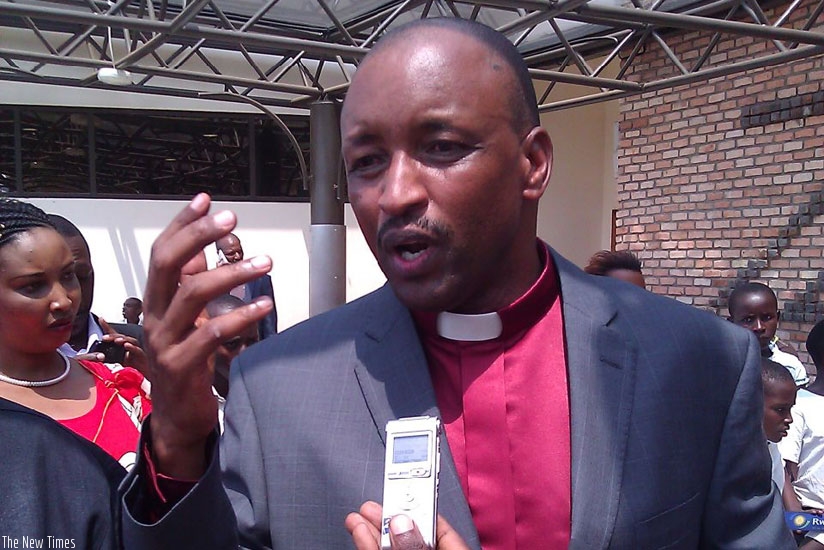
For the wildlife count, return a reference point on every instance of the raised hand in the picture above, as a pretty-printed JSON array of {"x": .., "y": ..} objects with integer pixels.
[{"x": 178, "y": 288}]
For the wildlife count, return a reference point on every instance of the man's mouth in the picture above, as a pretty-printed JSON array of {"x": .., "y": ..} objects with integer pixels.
[{"x": 411, "y": 251}]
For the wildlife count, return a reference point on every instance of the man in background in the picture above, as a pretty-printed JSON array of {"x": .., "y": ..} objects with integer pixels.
[
  {"x": 132, "y": 310},
  {"x": 230, "y": 251},
  {"x": 623, "y": 265},
  {"x": 221, "y": 359},
  {"x": 86, "y": 328}
]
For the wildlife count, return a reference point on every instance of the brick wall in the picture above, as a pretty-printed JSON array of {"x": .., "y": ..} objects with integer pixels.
[{"x": 723, "y": 181}]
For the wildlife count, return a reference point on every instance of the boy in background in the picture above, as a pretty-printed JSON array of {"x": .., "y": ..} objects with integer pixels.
[
  {"x": 754, "y": 306},
  {"x": 779, "y": 398},
  {"x": 803, "y": 448},
  {"x": 221, "y": 360}
]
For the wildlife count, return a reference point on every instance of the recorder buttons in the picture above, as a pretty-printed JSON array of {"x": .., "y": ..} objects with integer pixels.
[{"x": 408, "y": 501}]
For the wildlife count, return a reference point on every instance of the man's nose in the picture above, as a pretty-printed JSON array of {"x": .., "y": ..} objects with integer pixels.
[{"x": 403, "y": 187}]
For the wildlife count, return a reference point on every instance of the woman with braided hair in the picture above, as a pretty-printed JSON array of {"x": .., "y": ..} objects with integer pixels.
[{"x": 39, "y": 297}]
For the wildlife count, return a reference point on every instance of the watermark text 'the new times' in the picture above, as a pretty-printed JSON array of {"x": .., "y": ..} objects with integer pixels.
[{"x": 35, "y": 542}]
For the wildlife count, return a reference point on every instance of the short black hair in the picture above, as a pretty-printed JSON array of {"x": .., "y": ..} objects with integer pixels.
[
  {"x": 604, "y": 261},
  {"x": 526, "y": 103},
  {"x": 746, "y": 289},
  {"x": 68, "y": 230},
  {"x": 774, "y": 372},
  {"x": 17, "y": 217},
  {"x": 223, "y": 304},
  {"x": 815, "y": 344}
]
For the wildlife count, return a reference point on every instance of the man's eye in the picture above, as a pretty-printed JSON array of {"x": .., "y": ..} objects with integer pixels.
[
  {"x": 232, "y": 345},
  {"x": 447, "y": 148},
  {"x": 363, "y": 164}
]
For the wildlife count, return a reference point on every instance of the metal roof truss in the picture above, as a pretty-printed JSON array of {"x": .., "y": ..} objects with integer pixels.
[{"x": 291, "y": 52}]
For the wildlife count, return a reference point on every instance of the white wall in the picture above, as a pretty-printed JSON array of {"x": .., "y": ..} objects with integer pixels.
[{"x": 575, "y": 212}]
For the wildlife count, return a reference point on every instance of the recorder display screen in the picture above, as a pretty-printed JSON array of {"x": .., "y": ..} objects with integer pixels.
[{"x": 410, "y": 448}]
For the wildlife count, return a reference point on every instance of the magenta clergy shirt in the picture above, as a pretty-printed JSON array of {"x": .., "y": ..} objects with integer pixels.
[{"x": 505, "y": 408}]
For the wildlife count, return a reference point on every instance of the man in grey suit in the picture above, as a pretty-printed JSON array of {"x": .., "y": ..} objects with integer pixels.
[
  {"x": 230, "y": 250},
  {"x": 627, "y": 420}
]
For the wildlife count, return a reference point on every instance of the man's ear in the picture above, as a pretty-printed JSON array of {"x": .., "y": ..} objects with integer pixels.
[{"x": 537, "y": 150}]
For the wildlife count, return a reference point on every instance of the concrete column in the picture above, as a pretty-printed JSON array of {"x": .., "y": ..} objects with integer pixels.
[{"x": 327, "y": 252}]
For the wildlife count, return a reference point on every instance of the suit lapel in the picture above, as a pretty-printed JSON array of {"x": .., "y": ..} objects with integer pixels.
[
  {"x": 601, "y": 369},
  {"x": 395, "y": 382},
  {"x": 394, "y": 379}
]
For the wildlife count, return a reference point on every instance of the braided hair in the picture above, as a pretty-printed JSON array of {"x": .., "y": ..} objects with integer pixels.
[{"x": 18, "y": 217}]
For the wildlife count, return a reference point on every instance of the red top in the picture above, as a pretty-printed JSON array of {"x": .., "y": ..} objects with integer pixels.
[
  {"x": 505, "y": 408},
  {"x": 108, "y": 423}
]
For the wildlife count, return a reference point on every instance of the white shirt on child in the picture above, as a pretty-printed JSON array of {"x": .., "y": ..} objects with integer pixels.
[
  {"x": 777, "y": 466},
  {"x": 792, "y": 363},
  {"x": 804, "y": 445}
]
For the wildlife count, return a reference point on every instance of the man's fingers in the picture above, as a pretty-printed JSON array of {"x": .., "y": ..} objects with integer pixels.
[
  {"x": 365, "y": 535},
  {"x": 224, "y": 327},
  {"x": 196, "y": 265},
  {"x": 107, "y": 329},
  {"x": 177, "y": 245},
  {"x": 448, "y": 538},
  {"x": 365, "y": 530},
  {"x": 404, "y": 534},
  {"x": 372, "y": 512},
  {"x": 196, "y": 291},
  {"x": 192, "y": 352}
]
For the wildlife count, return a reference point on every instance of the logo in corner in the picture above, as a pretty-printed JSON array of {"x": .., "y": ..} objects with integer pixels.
[{"x": 798, "y": 521}]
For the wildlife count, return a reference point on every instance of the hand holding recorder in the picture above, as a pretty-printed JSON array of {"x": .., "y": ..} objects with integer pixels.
[
  {"x": 409, "y": 515},
  {"x": 364, "y": 526}
]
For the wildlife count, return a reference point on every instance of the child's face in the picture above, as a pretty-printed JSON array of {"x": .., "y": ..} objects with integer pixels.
[
  {"x": 779, "y": 397},
  {"x": 758, "y": 313}
]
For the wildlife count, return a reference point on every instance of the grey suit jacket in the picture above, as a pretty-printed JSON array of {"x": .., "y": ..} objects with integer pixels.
[{"x": 666, "y": 407}]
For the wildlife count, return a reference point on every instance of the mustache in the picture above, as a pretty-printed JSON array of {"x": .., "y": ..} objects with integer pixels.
[{"x": 437, "y": 229}]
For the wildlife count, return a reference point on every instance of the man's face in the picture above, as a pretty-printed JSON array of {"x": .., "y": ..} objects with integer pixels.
[
  {"x": 226, "y": 352},
  {"x": 437, "y": 172},
  {"x": 85, "y": 276},
  {"x": 779, "y": 398},
  {"x": 132, "y": 310},
  {"x": 229, "y": 349},
  {"x": 758, "y": 312},
  {"x": 231, "y": 249}
]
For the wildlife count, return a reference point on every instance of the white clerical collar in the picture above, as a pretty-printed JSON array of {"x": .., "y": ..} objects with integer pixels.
[{"x": 469, "y": 328}]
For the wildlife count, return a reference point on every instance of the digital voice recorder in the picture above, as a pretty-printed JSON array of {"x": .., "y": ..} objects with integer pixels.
[{"x": 410, "y": 480}]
